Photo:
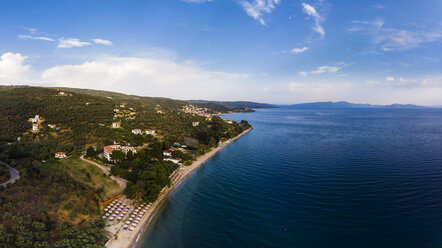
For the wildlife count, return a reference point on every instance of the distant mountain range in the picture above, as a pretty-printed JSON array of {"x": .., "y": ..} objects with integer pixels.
[
  {"x": 310, "y": 105},
  {"x": 238, "y": 104},
  {"x": 332, "y": 105}
]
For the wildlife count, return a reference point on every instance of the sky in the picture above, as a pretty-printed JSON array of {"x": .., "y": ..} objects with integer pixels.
[{"x": 274, "y": 51}]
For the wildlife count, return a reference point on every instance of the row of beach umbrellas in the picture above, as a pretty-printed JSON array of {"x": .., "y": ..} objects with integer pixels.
[{"x": 135, "y": 217}]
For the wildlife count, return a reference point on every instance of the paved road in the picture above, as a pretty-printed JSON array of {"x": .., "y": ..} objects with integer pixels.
[
  {"x": 14, "y": 175},
  {"x": 122, "y": 182}
]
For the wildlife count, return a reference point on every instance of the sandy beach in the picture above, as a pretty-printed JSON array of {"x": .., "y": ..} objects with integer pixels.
[{"x": 128, "y": 238}]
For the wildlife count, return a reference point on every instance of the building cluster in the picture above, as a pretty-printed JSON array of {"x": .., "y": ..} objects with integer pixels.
[
  {"x": 62, "y": 93},
  {"x": 125, "y": 113},
  {"x": 116, "y": 124},
  {"x": 168, "y": 154},
  {"x": 35, "y": 128},
  {"x": 107, "y": 150},
  {"x": 147, "y": 131},
  {"x": 228, "y": 121},
  {"x": 195, "y": 110},
  {"x": 35, "y": 120},
  {"x": 60, "y": 155}
]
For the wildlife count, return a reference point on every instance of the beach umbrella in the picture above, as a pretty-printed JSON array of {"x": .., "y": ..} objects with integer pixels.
[
  {"x": 131, "y": 218},
  {"x": 127, "y": 222},
  {"x": 134, "y": 224},
  {"x": 111, "y": 218},
  {"x": 107, "y": 214},
  {"x": 131, "y": 228}
]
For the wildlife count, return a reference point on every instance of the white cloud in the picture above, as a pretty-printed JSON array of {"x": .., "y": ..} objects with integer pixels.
[
  {"x": 30, "y": 37},
  {"x": 325, "y": 68},
  {"x": 258, "y": 8},
  {"x": 145, "y": 76},
  {"x": 13, "y": 68},
  {"x": 389, "y": 39},
  {"x": 196, "y": 1},
  {"x": 311, "y": 11},
  {"x": 31, "y": 30},
  {"x": 299, "y": 50},
  {"x": 72, "y": 42},
  {"x": 402, "y": 82},
  {"x": 102, "y": 42}
]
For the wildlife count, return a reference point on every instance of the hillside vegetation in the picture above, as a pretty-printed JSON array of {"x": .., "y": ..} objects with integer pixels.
[{"x": 57, "y": 202}]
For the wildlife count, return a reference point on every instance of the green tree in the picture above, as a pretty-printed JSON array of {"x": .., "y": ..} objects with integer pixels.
[
  {"x": 212, "y": 142},
  {"x": 156, "y": 151},
  {"x": 90, "y": 152},
  {"x": 117, "y": 155}
]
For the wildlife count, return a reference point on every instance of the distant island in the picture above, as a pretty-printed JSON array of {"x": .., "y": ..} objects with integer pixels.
[
  {"x": 343, "y": 104},
  {"x": 247, "y": 106}
]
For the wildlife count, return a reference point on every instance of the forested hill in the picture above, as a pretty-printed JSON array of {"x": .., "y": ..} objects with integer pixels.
[
  {"x": 156, "y": 101},
  {"x": 56, "y": 202},
  {"x": 238, "y": 104},
  {"x": 85, "y": 115}
]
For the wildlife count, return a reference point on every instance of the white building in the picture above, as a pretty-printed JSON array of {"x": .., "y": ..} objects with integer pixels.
[
  {"x": 52, "y": 126},
  {"x": 60, "y": 155},
  {"x": 107, "y": 150},
  {"x": 176, "y": 161},
  {"x": 167, "y": 153},
  {"x": 34, "y": 127},
  {"x": 136, "y": 131},
  {"x": 116, "y": 124},
  {"x": 150, "y": 131},
  {"x": 35, "y": 119}
]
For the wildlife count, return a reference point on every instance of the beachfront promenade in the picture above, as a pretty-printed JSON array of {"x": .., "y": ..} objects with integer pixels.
[{"x": 128, "y": 237}]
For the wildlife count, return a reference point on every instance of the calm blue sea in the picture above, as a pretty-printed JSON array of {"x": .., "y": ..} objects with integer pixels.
[{"x": 314, "y": 178}]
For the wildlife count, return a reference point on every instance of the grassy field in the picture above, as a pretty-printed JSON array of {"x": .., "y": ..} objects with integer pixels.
[{"x": 90, "y": 175}]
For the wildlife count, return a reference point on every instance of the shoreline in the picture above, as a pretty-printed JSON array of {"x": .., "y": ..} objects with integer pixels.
[{"x": 127, "y": 239}]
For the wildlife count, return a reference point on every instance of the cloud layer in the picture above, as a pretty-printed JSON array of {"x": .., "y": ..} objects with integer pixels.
[
  {"x": 299, "y": 50},
  {"x": 311, "y": 11},
  {"x": 13, "y": 68},
  {"x": 390, "y": 38},
  {"x": 258, "y": 8},
  {"x": 72, "y": 42}
]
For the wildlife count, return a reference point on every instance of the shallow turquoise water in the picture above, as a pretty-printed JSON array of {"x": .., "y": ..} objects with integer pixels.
[{"x": 314, "y": 178}]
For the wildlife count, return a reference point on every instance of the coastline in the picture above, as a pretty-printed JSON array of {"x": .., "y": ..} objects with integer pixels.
[{"x": 127, "y": 239}]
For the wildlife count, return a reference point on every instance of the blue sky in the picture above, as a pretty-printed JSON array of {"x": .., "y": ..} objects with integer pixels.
[{"x": 275, "y": 51}]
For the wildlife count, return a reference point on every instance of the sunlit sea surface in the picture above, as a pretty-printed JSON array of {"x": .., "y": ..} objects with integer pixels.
[{"x": 314, "y": 178}]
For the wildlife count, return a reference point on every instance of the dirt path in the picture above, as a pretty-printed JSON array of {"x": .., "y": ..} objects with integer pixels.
[
  {"x": 14, "y": 175},
  {"x": 122, "y": 182}
]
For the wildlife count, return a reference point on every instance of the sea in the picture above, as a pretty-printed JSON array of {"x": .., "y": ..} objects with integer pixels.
[{"x": 314, "y": 178}]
